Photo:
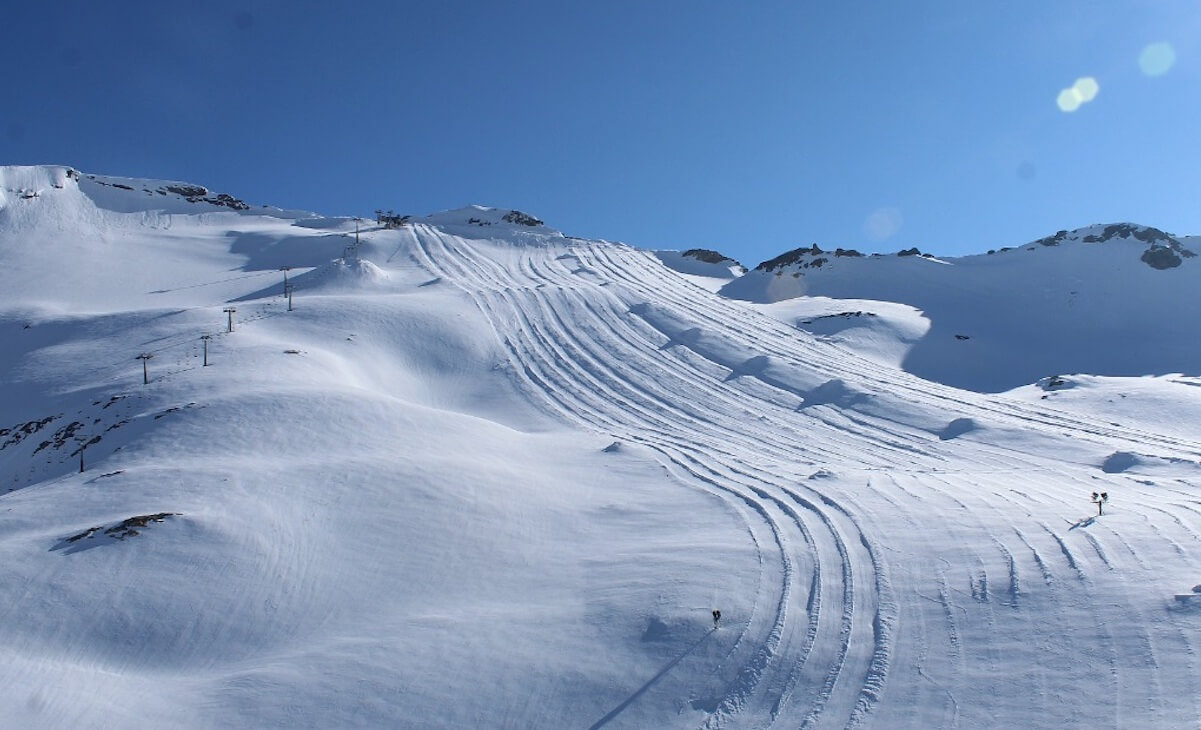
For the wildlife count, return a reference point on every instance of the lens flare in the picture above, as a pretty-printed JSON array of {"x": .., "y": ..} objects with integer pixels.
[
  {"x": 1157, "y": 59},
  {"x": 1087, "y": 87},
  {"x": 883, "y": 224},
  {"x": 1083, "y": 91},
  {"x": 1069, "y": 100}
]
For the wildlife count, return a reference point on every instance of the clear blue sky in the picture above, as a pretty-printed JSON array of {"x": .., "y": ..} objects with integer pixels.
[{"x": 748, "y": 127}]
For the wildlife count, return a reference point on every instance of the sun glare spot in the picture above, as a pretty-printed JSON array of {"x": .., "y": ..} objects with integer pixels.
[
  {"x": 1069, "y": 100},
  {"x": 1157, "y": 59},
  {"x": 1087, "y": 88},
  {"x": 1083, "y": 91},
  {"x": 883, "y": 224}
]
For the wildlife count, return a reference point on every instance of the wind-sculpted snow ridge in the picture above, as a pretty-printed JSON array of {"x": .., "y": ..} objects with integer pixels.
[{"x": 835, "y": 459}]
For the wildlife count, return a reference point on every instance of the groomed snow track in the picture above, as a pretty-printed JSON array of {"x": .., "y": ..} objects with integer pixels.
[{"x": 767, "y": 418}]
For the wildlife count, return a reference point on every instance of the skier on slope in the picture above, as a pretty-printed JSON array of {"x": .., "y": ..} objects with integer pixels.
[{"x": 716, "y": 617}]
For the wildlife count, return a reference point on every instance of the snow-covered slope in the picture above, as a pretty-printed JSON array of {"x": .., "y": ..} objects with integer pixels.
[
  {"x": 1107, "y": 300},
  {"x": 487, "y": 475}
]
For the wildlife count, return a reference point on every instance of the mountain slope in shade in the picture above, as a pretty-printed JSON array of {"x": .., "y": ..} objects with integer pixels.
[
  {"x": 1106, "y": 300},
  {"x": 483, "y": 474}
]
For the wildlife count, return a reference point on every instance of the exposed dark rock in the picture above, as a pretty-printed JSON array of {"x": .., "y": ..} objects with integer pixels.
[
  {"x": 187, "y": 191},
  {"x": 844, "y": 315},
  {"x": 1053, "y": 382},
  {"x": 61, "y": 436},
  {"x": 1146, "y": 234},
  {"x": 911, "y": 252},
  {"x": 709, "y": 257},
  {"x": 1161, "y": 257},
  {"x": 521, "y": 219},
  {"x": 788, "y": 258},
  {"x": 200, "y": 194},
  {"x": 126, "y": 528},
  {"x": 1141, "y": 233},
  {"x": 1164, "y": 252},
  {"x": 1053, "y": 240},
  {"x": 19, "y": 432},
  {"x": 228, "y": 201}
]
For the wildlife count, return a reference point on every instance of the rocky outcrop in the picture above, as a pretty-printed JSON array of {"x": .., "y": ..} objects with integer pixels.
[
  {"x": 1161, "y": 257},
  {"x": 521, "y": 219},
  {"x": 796, "y": 255},
  {"x": 710, "y": 257}
]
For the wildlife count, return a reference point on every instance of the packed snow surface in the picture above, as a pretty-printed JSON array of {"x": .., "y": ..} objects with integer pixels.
[{"x": 483, "y": 474}]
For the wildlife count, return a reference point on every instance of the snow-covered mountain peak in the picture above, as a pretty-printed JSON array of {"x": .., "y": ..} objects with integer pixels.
[
  {"x": 1104, "y": 232},
  {"x": 480, "y": 216},
  {"x": 807, "y": 257},
  {"x": 55, "y": 192},
  {"x": 1160, "y": 250},
  {"x": 480, "y": 462}
]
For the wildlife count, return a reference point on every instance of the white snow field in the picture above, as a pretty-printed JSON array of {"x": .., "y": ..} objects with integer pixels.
[{"x": 485, "y": 475}]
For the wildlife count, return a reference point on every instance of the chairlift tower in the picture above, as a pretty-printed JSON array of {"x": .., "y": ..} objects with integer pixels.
[
  {"x": 352, "y": 251},
  {"x": 145, "y": 374}
]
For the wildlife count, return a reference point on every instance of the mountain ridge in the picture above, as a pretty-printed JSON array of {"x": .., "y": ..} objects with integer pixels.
[{"x": 458, "y": 474}]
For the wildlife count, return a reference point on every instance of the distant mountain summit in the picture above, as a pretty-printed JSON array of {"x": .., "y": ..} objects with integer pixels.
[
  {"x": 482, "y": 216},
  {"x": 1103, "y": 299},
  {"x": 31, "y": 183},
  {"x": 1106, "y": 299},
  {"x": 1163, "y": 251}
]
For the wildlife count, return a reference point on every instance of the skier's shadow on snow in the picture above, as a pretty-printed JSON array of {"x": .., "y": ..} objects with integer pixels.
[{"x": 642, "y": 690}]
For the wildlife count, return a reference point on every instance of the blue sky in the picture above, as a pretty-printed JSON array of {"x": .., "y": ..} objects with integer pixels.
[{"x": 750, "y": 127}]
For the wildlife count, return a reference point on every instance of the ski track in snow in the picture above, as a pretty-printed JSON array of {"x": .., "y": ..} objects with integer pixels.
[
  {"x": 572, "y": 325},
  {"x": 614, "y": 414},
  {"x": 845, "y": 624}
]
